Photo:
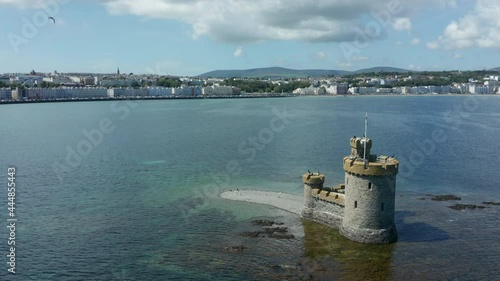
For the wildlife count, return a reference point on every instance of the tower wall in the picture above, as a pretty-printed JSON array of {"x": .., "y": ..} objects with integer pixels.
[
  {"x": 317, "y": 206},
  {"x": 311, "y": 182},
  {"x": 370, "y": 203},
  {"x": 326, "y": 213}
]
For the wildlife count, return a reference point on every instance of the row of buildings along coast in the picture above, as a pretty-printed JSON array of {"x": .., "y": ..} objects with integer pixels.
[
  {"x": 55, "y": 85},
  {"x": 489, "y": 85},
  {"x": 74, "y": 92},
  {"x": 103, "y": 92}
]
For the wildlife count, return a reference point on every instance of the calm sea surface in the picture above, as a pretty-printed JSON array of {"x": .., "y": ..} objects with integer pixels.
[{"x": 129, "y": 191}]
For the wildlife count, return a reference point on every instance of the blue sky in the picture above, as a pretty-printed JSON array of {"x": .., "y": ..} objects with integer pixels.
[{"x": 191, "y": 37}]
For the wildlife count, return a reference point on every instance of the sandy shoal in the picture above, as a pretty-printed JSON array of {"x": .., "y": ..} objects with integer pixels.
[{"x": 284, "y": 201}]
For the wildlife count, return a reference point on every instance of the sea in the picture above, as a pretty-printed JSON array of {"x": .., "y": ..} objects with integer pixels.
[{"x": 129, "y": 190}]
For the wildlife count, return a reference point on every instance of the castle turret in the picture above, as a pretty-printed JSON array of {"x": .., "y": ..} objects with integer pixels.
[
  {"x": 313, "y": 183},
  {"x": 370, "y": 183}
]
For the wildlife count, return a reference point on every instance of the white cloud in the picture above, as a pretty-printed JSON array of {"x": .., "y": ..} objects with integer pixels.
[
  {"x": 415, "y": 41},
  {"x": 433, "y": 45},
  {"x": 479, "y": 28},
  {"x": 448, "y": 3},
  {"x": 345, "y": 64},
  {"x": 401, "y": 24},
  {"x": 321, "y": 55},
  {"x": 238, "y": 52},
  {"x": 240, "y": 21},
  {"x": 251, "y": 21},
  {"x": 23, "y": 4},
  {"x": 457, "y": 56},
  {"x": 359, "y": 58}
]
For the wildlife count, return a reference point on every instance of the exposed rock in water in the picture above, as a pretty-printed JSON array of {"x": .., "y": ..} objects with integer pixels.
[
  {"x": 275, "y": 229},
  {"x": 266, "y": 222},
  {"x": 281, "y": 236},
  {"x": 238, "y": 248},
  {"x": 277, "y": 232},
  {"x": 492, "y": 203},
  {"x": 268, "y": 233},
  {"x": 445, "y": 198},
  {"x": 466, "y": 206},
  {"x": 251, "y": 234}
]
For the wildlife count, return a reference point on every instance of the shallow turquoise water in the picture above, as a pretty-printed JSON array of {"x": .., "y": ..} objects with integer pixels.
[{"x": 141, "y": 203}]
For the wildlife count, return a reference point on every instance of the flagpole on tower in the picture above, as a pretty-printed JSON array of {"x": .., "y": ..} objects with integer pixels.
[{"x": 366, "y": 137}]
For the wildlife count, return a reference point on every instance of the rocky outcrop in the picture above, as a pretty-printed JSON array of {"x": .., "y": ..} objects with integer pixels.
[
  {"x": 237, "y": 248},
  {"x": 270, "y": 229},
  {"x": 466, "y": 206},
  {"x": 445, "y": 198},
  {"x": 492, "y": 203}
]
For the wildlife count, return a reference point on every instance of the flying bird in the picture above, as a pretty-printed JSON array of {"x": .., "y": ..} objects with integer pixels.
[{"x": 53, "y": 19}]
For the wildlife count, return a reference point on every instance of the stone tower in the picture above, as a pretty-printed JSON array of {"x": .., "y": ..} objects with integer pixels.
[
  {"x": 370, "y": 185},
  {"x": 312, "y": 182}
]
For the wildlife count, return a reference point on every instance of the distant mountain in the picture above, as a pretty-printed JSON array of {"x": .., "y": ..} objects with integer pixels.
[
  {"x": 273, "y": 72},
  {"x": 281, "y": 72},
  {"x": 382, "y": 69},
  {"x": 495, "y": 69}
]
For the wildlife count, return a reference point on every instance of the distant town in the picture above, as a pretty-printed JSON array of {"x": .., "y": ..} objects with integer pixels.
[{"x": 38, "y": 87}]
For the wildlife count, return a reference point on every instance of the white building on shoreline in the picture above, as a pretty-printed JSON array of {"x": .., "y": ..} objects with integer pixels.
[
  {"x": 219, "y": 91},
  {"x": 159, "y": 91},
  {"x": 127, "y": 92},
  {"x": 5, "y": 94},
  {"x": 59, "y": 93}
]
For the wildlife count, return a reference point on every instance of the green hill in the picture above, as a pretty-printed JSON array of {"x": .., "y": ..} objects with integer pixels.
[
  {"x": 281, "y": 72},
  {"x": 378, "y": 69},
  {"x": 273, "y": 72}
]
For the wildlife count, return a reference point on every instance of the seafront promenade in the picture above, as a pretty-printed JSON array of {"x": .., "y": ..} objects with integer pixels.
[{"x": 250, "y": 96}]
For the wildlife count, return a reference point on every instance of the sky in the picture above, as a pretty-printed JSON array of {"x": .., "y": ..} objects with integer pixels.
[{"x": 191, "y": 37}]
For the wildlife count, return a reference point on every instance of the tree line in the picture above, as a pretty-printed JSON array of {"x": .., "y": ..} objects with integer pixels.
[{"x": 260, "y": 86}]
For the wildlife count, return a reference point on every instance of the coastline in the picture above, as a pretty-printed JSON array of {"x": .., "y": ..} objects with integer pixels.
[
  {"x": 405, "y": 95},
  {"x": 142, "y": 98},
  {"x": 284, "y": 201},
  {"x": 238, "y": 97}
]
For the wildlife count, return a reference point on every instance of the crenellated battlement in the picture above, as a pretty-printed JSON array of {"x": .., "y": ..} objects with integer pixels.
[
  {"x": 381, "y": 166},
  {"x": 315, "y": 179},
  {"x": 329, "y": 195}
]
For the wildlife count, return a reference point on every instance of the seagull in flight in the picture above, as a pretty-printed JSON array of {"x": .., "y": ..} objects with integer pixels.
[{"x": 53, "y": 19}]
